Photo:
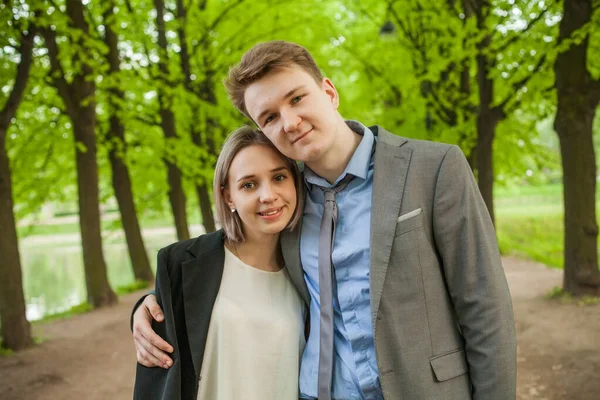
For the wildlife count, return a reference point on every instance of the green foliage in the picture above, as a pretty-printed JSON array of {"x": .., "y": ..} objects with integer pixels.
[
  {"x": 563, "y": 297},
  {"x": 417, "y": 77},
  {"x": 407, "y": 80},
  {"x": 4, "y": 352},
  {"x": 75, "y": 310},
  {"x": 133, "y": 287},
  {"x": 556, "y": 293},
  {"x": 530, "y": 222},
  {"x": 539, "y": 238}
]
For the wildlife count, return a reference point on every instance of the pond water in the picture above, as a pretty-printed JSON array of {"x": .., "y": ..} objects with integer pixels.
[{"x": 53, "y": 274}]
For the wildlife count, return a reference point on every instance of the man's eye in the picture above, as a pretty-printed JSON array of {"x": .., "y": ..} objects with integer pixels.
[
  {"x": 296, "y": 99},
  {"x": 269, "y": 119}
]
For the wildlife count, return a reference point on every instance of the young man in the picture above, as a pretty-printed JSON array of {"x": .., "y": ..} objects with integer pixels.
[{"x": 421, "y": 307}]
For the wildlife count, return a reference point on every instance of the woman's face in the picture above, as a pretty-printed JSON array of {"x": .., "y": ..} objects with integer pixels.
[{"x": 261, "y": 189}]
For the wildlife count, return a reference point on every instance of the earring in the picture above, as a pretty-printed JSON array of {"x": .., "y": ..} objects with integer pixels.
[{"x": 233, "y": 210}]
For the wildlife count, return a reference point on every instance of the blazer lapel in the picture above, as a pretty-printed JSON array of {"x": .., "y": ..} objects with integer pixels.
[
  {"x": 201, "y": 281},
  {"x": 391, "y": 167},
  {"x": 290, "y": 248}
]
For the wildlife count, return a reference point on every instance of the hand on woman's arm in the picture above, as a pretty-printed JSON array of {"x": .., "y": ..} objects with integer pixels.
[{"x": 151, "y": 349}]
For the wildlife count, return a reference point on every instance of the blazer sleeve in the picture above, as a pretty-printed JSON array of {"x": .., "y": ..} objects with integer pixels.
[
  {"x": 466, "y": 241},
  {"x": 158, "y": 383}
]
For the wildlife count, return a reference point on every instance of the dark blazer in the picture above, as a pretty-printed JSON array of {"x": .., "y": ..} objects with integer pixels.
[{"x": 188, "y": 277}]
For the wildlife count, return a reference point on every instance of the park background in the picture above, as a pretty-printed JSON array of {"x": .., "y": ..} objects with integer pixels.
[{"x": 113, "y": 113}]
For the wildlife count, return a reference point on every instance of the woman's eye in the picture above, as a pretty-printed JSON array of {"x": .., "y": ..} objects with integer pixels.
[
  {"x": 279, "y": 178},
  {"x": 248, "y": 185}
]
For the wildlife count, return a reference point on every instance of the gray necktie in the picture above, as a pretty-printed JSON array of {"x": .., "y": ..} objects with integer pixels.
[{"x": 326, "y": 237}]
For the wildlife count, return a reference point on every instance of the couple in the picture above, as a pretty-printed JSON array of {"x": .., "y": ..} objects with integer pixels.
[{"x": 383, "y": 242}]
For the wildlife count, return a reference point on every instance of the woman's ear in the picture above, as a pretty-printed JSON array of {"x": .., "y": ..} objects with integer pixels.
[{"x": 227, "y": 197}]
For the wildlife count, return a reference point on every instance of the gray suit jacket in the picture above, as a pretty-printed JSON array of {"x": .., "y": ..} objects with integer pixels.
[{"x": 441, "y": 310}]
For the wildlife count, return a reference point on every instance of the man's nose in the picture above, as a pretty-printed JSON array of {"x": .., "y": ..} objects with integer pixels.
[{"x": 291, "y": 120}]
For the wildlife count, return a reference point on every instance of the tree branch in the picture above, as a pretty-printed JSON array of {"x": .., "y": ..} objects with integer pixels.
[
  {"x": 146, "y": 121},
  {"x": 214, "y": 24},
  {"x": 366, "y": 13},
  {"x": 403, "y": 27},
  {"x": 57, "y": 73},
  {"x": 517, "y": 35},
  {"x": 223, "y": 14},
  {"x": 22, "y": 76},
  {"x": 446, "y": 114},
  {"x": 517, "y": 86}
]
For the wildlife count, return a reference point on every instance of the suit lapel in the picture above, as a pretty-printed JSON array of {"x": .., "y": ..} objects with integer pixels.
[
  {"x": 201, "y": 281},
  {"x": 290, "y": 248},
  {"x": 391, "y": 167}
]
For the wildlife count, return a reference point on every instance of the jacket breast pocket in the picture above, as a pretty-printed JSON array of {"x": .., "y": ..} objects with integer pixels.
[
  {"x": 449, "y": 365},
  {"x": 405, "y": 225}
]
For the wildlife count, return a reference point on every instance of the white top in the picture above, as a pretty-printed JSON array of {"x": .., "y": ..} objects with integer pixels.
[{"x": 255, "y": 338}]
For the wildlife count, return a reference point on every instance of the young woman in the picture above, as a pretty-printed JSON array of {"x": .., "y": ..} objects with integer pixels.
[{"x": 233, "y": 317}]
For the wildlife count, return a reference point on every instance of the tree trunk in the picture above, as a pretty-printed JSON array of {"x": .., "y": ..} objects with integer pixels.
[
  {"x": 465, "y": 91},
  {"x": 578, "y": 97},
  {"x": 16, "y": 331},
  {"x": 487, "y": 117},
  {"x": 486, "y": 130},
  {"x": 99, "y": 293},
  {"x": 121, "y": 183},
  {"x": 202, "y": 189},
  {"x": 208, "y": 220},
  {"x": 120, "y": 172},
  {"x": 79, "y": 99},
  {"x": 177, "y": 200},
  {"x": 176, "y": 193}
]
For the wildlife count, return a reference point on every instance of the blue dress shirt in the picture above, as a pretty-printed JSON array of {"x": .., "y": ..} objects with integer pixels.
[{"x": 355, "y": 373}]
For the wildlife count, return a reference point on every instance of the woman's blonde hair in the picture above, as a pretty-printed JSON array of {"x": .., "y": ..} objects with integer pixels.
[{"x": 235, "y": 142}]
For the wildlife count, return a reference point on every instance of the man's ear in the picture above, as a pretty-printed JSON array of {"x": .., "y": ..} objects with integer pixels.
[{"x": 331, "y": 91}]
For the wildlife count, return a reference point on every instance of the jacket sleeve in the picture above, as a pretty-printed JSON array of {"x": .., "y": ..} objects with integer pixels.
[
  {"x": 159, "y": 383},
  {"x": 466, "y": 241}
]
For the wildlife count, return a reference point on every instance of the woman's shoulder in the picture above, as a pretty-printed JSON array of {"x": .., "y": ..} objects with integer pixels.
[{"x": 195, "y": 246}]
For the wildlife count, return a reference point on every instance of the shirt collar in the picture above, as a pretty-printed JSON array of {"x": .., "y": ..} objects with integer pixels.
[{"x": 359, "y": 162}]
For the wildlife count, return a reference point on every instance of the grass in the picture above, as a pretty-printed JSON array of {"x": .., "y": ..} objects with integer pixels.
[
  {"x": 5, "y": 352},
  {"x": 147, "y": 222},
  {"x": 538, "y": 238},
  {"x": 75, "y": 310},
  {"x": 557, "y": 293},
  {"x": 74, "y": 227},
  {"x": 529, "y": 222},
  {"x": 133, "y": 287}
]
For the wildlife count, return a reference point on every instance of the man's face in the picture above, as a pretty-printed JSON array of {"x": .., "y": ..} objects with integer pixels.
[{"x": 295, "y": 112}]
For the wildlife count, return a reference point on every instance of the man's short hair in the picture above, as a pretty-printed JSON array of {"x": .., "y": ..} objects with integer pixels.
[
  {"x": 263, "y": 59},
  {"x": 235, "y": 142}
]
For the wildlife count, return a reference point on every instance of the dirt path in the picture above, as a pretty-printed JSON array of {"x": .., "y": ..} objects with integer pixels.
[{"x": 91, "y": 356}]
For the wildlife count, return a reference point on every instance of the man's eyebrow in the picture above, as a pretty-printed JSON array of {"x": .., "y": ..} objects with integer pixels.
[
  {"x": 288, "y": 94},
  {"x": 271, "y": 171}
]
